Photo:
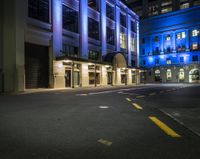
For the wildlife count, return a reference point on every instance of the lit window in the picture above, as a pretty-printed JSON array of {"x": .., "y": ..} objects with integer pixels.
[
  {"x": 178, "y": 36},
  {"x": 169, "y": 61},
  {"x": 195, "y": 32},
  {"x": 169, "y": 74},
  {"x": 181, "y": 74},
  {"x": 132, "y": 44},
  {"x": 185, "y": 5},
  {"x": 165, "y": 10},
  {"x": 168, "y": 37},
  {"x": 195, "y": 46},
  {"x": 123, "y": 40},
  {"x": 183, "y": 35}
]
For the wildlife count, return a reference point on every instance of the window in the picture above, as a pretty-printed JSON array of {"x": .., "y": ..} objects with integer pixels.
[
  {"x": 157, "y": 61},
  {"x": 165, "y": 10},
  {"x": 70, "y": 51},
  {"x": 181, "y": 59},
  {"x": 133, "y": 63},
  {"x": 169, "y": 74},
  {"x": 110, "y": 36},
  {"x": 153, "y": 10},
  {"x": 70, "y": 19},
  {"x": 110, "y": 12},
  {"x": 143, "y": 51},
  {"x": 93, "y": 4},
  {"x": 133, "y": 26},
  {"x": 157, "y": 75},
  {"x": 144, "y": 62},
  {"x": 181, "y": 35},
  {"x": 93, "y": 55},
  {"x": 169, "y": 61},
  {"x": 156, "y": 39},
  {"x": 194, "y": 46},
  {"x": 195, "y": 58},
  {"x": 93, "y": 29},
  {"x": 123, "y": 19},
  {"x": 132, "y": 44},
  {"x": 168, "y": 38},
  {"x": 178, "y": 36},
  {"x": 195, "y": 32},
  {"x": 39, "y": 9},
  {"x": 143, "y": 40},
  {"x": 181, "y": 74},
  {"x": 184, "y": 5},
  {"x": 123, "y": 40}
]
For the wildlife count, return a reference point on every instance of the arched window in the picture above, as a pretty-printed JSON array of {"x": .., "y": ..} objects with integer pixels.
[
  {"x": 169, "y": 74},
  {"x": 194, "y": 75},
  {"x": 181, "y": 74}
]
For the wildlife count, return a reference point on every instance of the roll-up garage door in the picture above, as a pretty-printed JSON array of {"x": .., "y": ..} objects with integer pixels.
[{"x": 36, "y": 66}]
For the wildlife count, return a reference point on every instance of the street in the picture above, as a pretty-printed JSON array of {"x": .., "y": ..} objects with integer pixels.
[{"x": 138, "y": 122}]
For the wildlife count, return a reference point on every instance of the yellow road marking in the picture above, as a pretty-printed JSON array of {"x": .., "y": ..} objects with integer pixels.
[
  {"x": 164, "y": 127},
  {"x": 128, "y": 99},
  {"x": 152, "y": 94},
  {"x": 137, "y": 106},
  {"x": 105, "y": 142},
  {"x": 140, "y": 96}
]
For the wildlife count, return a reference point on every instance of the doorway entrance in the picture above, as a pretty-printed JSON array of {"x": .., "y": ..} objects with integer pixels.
[
  {"x": 67, "y": 78},
  {"x": 109, "y": 78}
]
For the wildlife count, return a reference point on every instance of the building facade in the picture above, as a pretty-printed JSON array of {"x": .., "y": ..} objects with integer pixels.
[
  {"x": 170, "y": 47},
  {"x": 67, "y": 43},
  {"x": 148, "y": 8}
]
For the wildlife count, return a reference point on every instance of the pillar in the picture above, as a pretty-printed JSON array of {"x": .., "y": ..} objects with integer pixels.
[
  {"x": 187, "y": 40},
  {"x": 162, "y": 43},
  {"x": 103, "y": 27},
  {"x": 83, "y": 28},
  {"x": 84, "y": 75},
  {"x": 129, "y": 38},
  {"x": 1, "y": 47},
  {"x": 138, "y": 44},
  {"x": 117, "y": 28},
  {"x": 173, "y": 41},
  {"x": 13, "y": 48}
]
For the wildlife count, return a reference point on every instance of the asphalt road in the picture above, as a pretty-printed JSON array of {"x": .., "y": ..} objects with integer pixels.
[{"x": 143, "y": 122}]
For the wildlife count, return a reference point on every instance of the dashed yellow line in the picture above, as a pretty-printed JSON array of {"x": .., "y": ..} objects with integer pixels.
[
  {"x": 105, "y": 142},
  {"x": 137, "y": 106},
  {"x": 140, "y": 96},
  {"x": 164, "y": 127},
  {"x": 128, "y": 99},
  {"x": 152, "y": 94}
]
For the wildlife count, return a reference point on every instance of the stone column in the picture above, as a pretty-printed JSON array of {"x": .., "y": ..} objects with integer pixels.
[
  {"x": 117, "y": 28},
  {"x": 162, "y": 43},
  {"x": 187, "y": 41},
  {"x": 129, "y": 38},
  {"x": 83, "y": 14},
  {"x": 138, "y": 44},
  {"x": 173, "y": 40},
  {"x": 103, "y": 27}
]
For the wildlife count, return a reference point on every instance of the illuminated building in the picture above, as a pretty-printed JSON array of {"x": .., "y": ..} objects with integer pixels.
[
  {"x": 149, "y": 8},
  {"x": 67, "y": 43},
  {"x": 170, "y": 47}
]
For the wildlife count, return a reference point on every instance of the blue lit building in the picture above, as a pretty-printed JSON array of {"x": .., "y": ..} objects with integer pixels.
[
  {"x": 67, "y": 43},
  {"x": 170, "y": 47}
]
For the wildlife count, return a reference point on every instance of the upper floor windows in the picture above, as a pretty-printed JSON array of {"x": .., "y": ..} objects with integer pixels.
[
  {"x": 195, "y": 46},
  {"x": 70, "y": 19},
  {"x": 110, "y": 36},
  {"x": 70, "y": 51},
  {"x": 39, "y": 9},
  {"x": 195, "y": 58},
  {"x": 156, "y": 39},
  {"x": 123, "y": 19},
  {"x": 168, "y": 37},
  {"x": 93, "y": 28},
  {"x": 110, "y": 13},
  {"x": 133, "y": 26},
  {"x": 123, "y": 40},
  {"x": 93, "y": 55},
  {"x": 169, "y": 61},
  {"x": 195, "y": 32},
  {"x": 181, "y": 35},
  {"x": 132, "y": 44},
  {"x": 93, "y": 4}
]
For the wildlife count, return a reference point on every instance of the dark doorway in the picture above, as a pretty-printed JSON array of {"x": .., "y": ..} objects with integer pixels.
[
  {"x": 36, "y": 66},
  {"x": 109, "y": 77},
  {"x": 67, "y": 78}
]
